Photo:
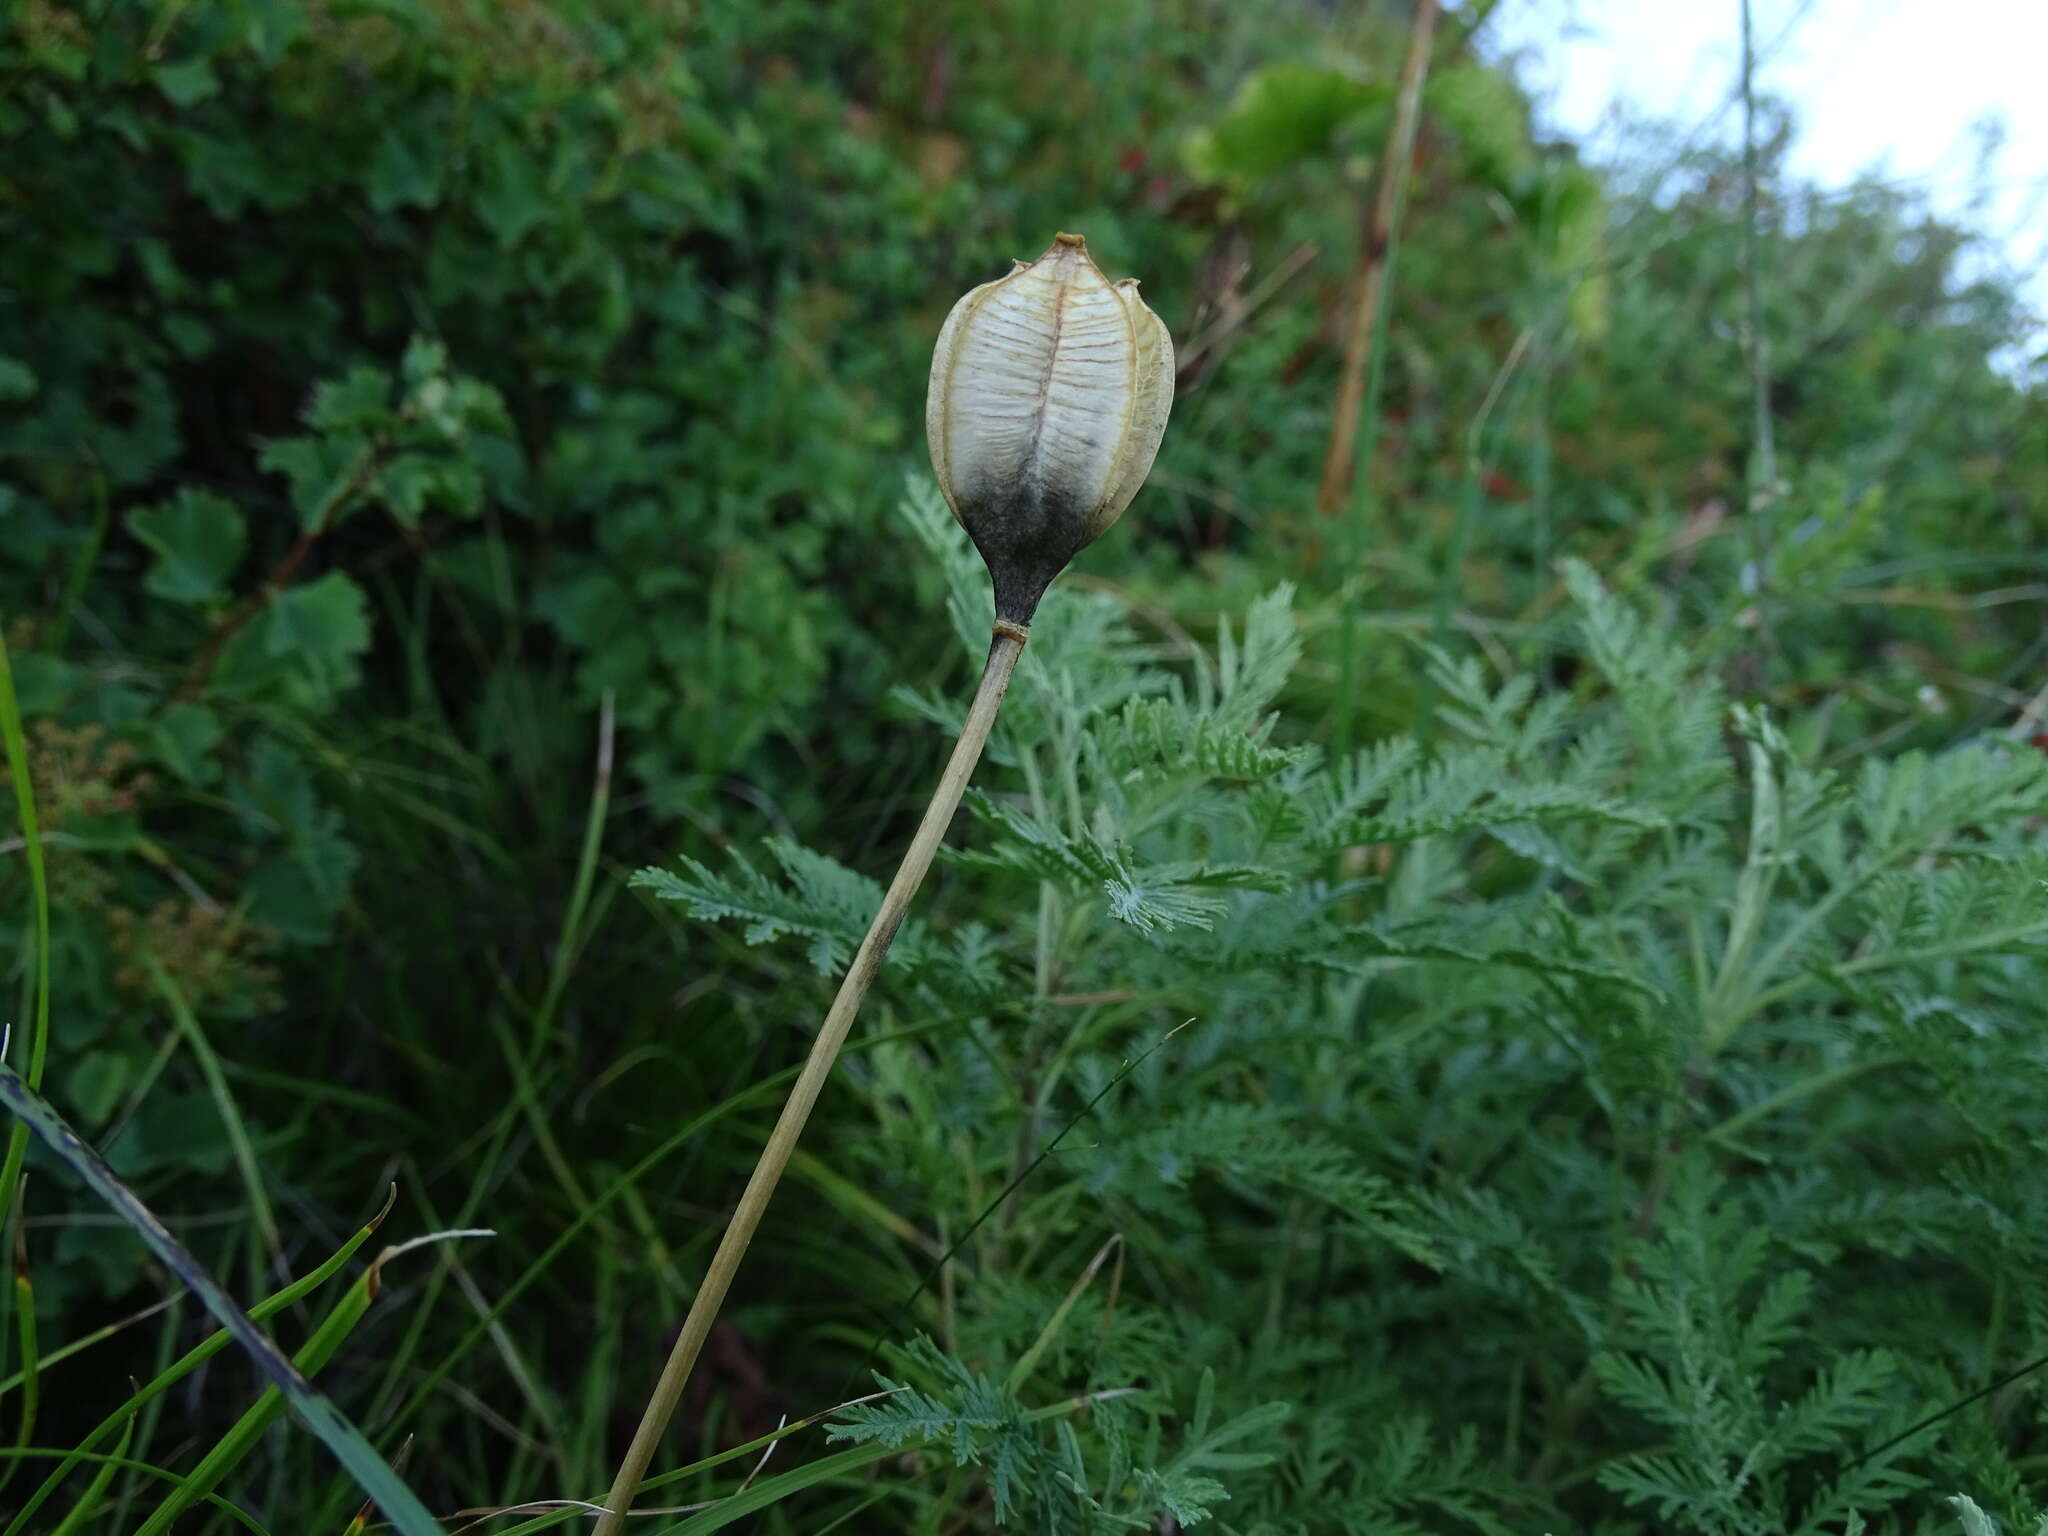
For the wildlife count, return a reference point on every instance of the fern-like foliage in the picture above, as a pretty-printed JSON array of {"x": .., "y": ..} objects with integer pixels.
[
  {"x": 1239, "y": 1143},
  {"x": 818, "y": 900},
  {"x": 1040, "y": 1477},
  {"x": 1626, "y": 1110},
  {"x": 1705, "y": 1332},
  {"x": 1977, "y": 1523}
]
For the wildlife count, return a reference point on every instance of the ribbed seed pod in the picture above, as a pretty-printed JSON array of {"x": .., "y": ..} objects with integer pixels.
[{"x": 1049, "y": 394}]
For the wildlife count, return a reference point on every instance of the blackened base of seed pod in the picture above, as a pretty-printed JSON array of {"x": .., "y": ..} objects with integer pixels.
[
  {"x": 1019, "y": 590},
  {"x": 1027, "y": 535}
]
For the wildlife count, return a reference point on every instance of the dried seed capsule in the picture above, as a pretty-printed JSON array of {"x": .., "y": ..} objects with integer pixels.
[{"x": 1050, "y": 390}]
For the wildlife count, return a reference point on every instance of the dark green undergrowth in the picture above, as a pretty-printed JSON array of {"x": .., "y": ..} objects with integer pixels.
[{"x": 1515, "y": 1008}]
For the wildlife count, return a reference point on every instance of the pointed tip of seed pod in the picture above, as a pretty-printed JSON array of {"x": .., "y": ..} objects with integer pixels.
[
  {"x": 1017, "y": 266},
  {"x": 1063, "y": 238},
  {"x": 1128, "y": 282}
]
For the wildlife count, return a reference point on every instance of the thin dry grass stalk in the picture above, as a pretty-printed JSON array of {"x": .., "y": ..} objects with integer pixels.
[{"x": 1369, "y": 277}]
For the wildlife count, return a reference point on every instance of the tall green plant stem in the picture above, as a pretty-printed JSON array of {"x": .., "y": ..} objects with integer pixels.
[
  {"x": 867, "y": 961},
  {"x": 16, "y": 757}
]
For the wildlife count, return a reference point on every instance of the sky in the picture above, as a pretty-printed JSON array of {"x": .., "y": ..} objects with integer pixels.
[{"x": 1895, "y": 86}]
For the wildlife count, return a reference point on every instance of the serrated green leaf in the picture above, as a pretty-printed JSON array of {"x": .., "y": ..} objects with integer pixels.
[
  {"x": 1488, "y": 115},
  {"x": 412, "y": 483},
  {"x": 197, "y": 538},
  {"x": 1281, "y": 115},
  {"x": 319, "y": 469},
  {"x": 44, "y": 684},
  {"x": 304, "y": 646},
  {"x": 359, "y": 401},
  {"x": 187, "y": 82},
  {"x": 17, "y": 380},
  {"x": 299, "y": 896},
  {"x": 183, "y": 738},
  {"x": 400, "y": 174},
  {"x": 513, "y": 197},
  {"x": 324, "y": 623}
]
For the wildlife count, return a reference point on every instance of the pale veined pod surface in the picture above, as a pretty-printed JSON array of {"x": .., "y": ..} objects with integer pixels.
[{"x": 1050, "y": 390}]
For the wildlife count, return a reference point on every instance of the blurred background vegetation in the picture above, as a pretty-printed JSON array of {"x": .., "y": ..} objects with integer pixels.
[{"x": 402, "y": 399}]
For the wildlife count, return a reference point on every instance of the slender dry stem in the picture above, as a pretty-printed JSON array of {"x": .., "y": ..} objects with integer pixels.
[
  {"x": 1369, "y": 281},
  {"x": 1763, "y": 456},
  {"x": 746, "y": 1217}
]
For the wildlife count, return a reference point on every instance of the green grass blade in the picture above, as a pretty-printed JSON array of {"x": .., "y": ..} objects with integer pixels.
[
  {"x": 1020, "y": 1373},
  {"x": 229, "y": 1451},
  {"x": 570, "y": 938},
  {"x": 97, "y": 1488},
  {"x": 32, "y": 848},
  {"x": 327, "y": 1422},
  {"x": 241, "y": 1517},
  {"x": 577, "y": 1511},
  {"x": 618, "y": 1186},
  {"x": 192, "y": 1359},
  {"x": 224, "y": 1104},
  {"x": 31, "y": 1356},
  {"x": 789, "y": 1483},
  {"x": 773, "y": 1490},
  {"x": 82, "y": 566},
  {"x": 85, "y": 1341}
]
